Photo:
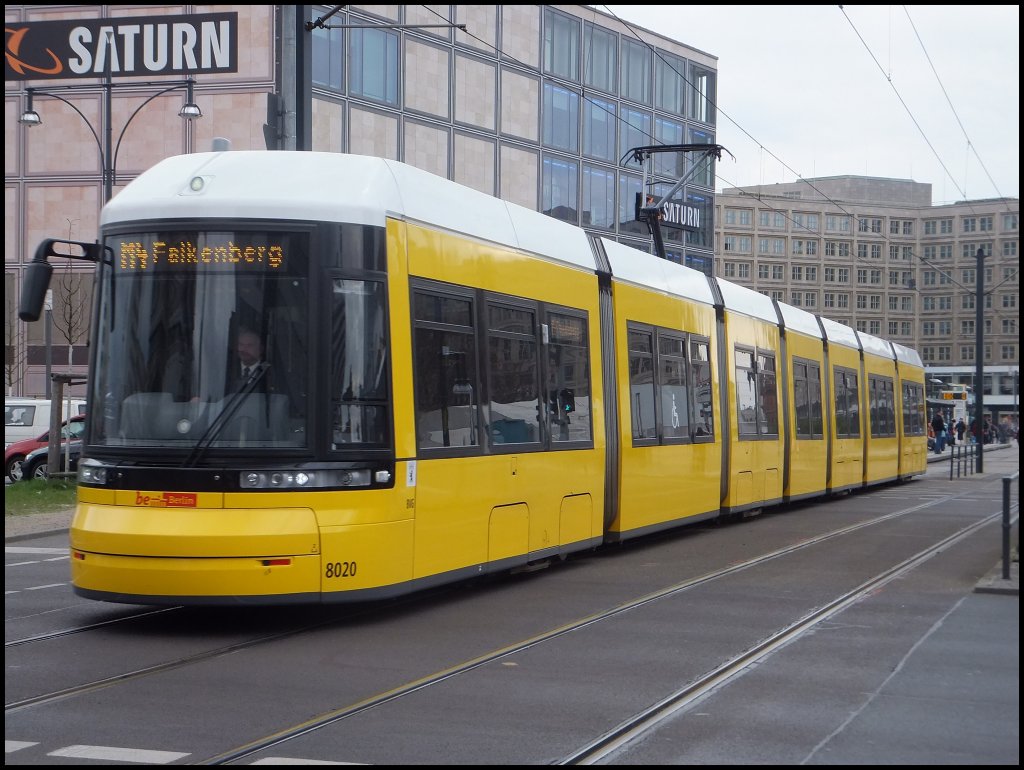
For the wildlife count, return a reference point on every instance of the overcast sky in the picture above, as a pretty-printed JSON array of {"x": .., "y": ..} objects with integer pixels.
[{"x": 921, "y": 92}]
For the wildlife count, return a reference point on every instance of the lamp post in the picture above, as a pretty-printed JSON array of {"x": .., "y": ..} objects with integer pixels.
[
  {"x": 108, "y": 152},
  {"x": 979, "y": 356}
]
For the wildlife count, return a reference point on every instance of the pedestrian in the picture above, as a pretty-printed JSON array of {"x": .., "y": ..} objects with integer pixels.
[
  {"x": 939, "y": 426},
  {"x": 961, "y": 428}
]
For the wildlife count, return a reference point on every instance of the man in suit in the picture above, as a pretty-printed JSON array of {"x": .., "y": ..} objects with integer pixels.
[{"x": 252, "y": 367}]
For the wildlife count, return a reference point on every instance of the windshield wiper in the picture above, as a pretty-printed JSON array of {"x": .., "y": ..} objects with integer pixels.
[{"x": 218, "y": 423}]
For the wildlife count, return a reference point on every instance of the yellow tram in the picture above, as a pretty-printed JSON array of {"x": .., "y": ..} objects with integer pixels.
[{"x": 449, "y": 385}]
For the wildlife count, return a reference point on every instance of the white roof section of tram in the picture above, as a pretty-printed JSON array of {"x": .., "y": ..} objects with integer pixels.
[
  {"x": 337, "y": 187},
  {"x": 907, "y": 355},
  {"x": 643, "y": 269},
  {"x": 876, "y": 345},
  {"x": 799, "y": 320},
  {"x": 836, "y": 332},
  {"x": 747, "y": 301}
]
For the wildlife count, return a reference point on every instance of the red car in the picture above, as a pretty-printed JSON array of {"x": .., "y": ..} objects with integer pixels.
[{"x": 15, "y": 454}]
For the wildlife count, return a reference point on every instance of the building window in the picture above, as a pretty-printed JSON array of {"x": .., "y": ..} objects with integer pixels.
[
  {"x": 601, "y": 58},
  {"x": 670, "y": 83},
  {"x": 561, "y": 45},
  {"x": 599, "y": 122},
  {"x": 598, "y": 197},
  {"x": 561, "y": 118},
  {"x": 635, "y": 75},
  {"x": 702, "y": 96},
  {"x": 635, "y": 132},
  {"x": 374, "y": 65},
  {"x": 560, "y": 178},
  {"x": 704, "y": 166},
  {"x": 672, "y": 164},
  {"x": 329, "y": 59}
]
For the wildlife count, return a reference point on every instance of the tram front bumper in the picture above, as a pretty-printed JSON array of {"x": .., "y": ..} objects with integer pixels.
[{"x": 164, "y": 555}]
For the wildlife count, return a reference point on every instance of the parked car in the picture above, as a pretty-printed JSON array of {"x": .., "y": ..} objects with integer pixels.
[
  {"x": 36, "y": 465},
  {"x": 26, "y": 417},
  {"x": 15, "y": 454}
]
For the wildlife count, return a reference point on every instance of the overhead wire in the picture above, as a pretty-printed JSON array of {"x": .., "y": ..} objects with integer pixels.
[{"x": 881, "y": 264}]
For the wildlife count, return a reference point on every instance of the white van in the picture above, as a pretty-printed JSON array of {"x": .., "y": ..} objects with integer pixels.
[{"x": 28, "y": 417}]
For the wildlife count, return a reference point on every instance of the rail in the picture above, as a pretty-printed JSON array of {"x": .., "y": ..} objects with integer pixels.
[
  {"x": 963, "y": 456},
  {"x": 1007, "y": 523}
]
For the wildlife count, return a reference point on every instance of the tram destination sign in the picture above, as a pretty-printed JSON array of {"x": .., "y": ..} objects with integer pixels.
[
  {"x": 138, "y": 46},
  {"x": 163, "y": 255}
]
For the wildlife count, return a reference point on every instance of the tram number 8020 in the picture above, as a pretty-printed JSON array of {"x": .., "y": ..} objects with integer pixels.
[{"x": 340, "y": 569}]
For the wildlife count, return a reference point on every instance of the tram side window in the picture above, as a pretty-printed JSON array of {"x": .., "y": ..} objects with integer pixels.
[
  {"x": 847, "y": 404},
  {"x": 568, "y": 378},
  {"x": 807, "y": 392},
  {"x": 882, "y": 410},
  {"x": 757, "y": 403},
  {"x": 700, "y": 381},
  {"x": 767, "y": 395},
  {"x": 746, "y": 393},
  {"x": 675, "y": 418},
  {"x": 670, "y": 395},
  {"x": 447, "y": 383},
  {"x": 641, "y": 385},
  {"x": 913, "y": 409},
  {"x": 359, "y": 363},
  {"x": 513, "y": 377}
]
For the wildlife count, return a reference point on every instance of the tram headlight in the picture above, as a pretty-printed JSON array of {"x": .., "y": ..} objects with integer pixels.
[
  {"x": 92, "y": 473},
  {"x": 310, "y": 479}
]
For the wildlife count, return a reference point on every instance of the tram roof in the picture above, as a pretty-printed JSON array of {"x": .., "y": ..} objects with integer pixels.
[
  {"x": 337, "y": 187},
  {"x": 907, "y": 355},
  {"x": 876, "y": 345},
  {"x": 740, "y": 299},
  {"x": 639, "y": 267},
  {"x": 800, "y": 320},
  {"x": 842, "y": 334}
]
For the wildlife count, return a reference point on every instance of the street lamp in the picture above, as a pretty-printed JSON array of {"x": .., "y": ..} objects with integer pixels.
[
  {"x": 30, "y": 118},
  {"x": 979, "y": 358}
]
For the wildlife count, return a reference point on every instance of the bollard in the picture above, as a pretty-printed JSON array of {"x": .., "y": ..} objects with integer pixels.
[{"x": 1007, "y": 481}]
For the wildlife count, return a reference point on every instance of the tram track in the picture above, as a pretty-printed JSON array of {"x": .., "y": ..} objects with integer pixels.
[
  {"x": 648, "y": 719},
  {"x": 601, "y": 746},
  {"x": 65, "y": 632},
  {"x": 641, "y": 724}
]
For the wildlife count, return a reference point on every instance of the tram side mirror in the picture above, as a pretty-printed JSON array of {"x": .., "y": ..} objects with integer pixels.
[
  {"x": 39, "y": 271},
  {"x": 33, "y": 293}
]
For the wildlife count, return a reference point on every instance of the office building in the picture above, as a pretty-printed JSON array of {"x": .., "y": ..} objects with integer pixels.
[{"x": 875, "y": 254}]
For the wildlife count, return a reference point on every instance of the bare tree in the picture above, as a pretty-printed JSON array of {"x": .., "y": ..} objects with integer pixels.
[
  {"x": 72, "y": 316},
  {"x": 15, "y": 354}
]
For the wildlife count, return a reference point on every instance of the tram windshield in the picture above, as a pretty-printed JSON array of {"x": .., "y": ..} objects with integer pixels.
[{"x": 203, "y": 341}]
